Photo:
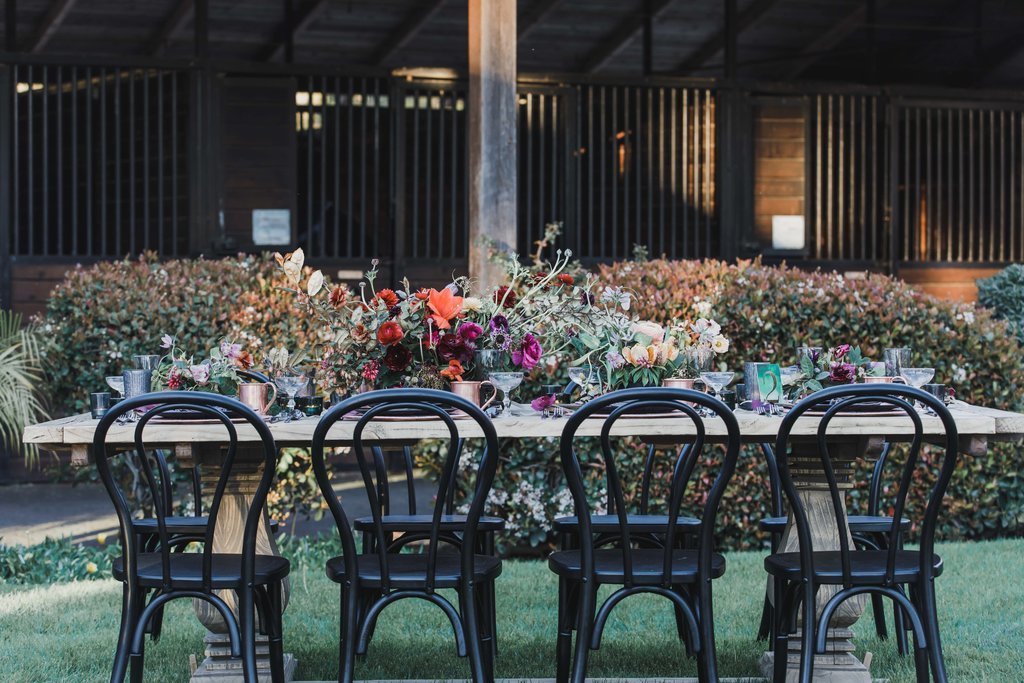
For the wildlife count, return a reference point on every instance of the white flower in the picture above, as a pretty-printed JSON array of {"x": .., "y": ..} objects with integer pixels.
[
  {"x": 616, "y": 296},
  {"x": 703, "y": 308},
  {"x": 315, "y": 284},
  {"x": 720, "y": 344},
  {"x": 472, "y": 303}
]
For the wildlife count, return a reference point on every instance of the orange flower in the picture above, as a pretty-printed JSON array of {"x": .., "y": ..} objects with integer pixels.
[
  {"x": 423, "y": 294},
  {"x": 387, "y": 296},
  {"x": 453, "y": 371},
  {"x": 390, "y": 333},
  {"x": 445, "y": 306},
  {"x": 565, "y": 279},
  {"x": 338, "y": 296},
  {"x": 244, "y": 360}
]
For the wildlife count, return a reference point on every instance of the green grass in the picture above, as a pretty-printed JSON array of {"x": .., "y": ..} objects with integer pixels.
[{"x": 66, "y": 632}]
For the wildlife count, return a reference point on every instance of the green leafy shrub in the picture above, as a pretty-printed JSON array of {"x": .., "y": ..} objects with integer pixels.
[
  {"x": 767, "y": 312},
  {"x": 1004, "y": 294},
  {"x": 55, "y": 561}
]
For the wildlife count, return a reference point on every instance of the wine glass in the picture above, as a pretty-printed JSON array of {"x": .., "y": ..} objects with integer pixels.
[
  {"x": 116, "y": 382},
  {"x": 587, "y": 378},
  {"x": 290, "y": 383},
  {"x": 506, "y": 382}
]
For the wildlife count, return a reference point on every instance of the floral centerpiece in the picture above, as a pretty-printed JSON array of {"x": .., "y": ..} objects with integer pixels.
[
  {"x": 179, "y": 370},
  {"x": 383, "y": 337},
  {"x": 843, "y": 364}
]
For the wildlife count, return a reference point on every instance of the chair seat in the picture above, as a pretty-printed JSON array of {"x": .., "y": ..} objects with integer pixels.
[
  {"x": 864, "y": 524},
  {"x": 187, "y": 570},
  {"x": 422, "y": 523},
  {"x": 190, "y": 526},
  {"x": 647, "y": 565},
  {"x": 409, "y": 570},
  {"x": 650, "y": 524},
  {"x": 866, "y": 566}
]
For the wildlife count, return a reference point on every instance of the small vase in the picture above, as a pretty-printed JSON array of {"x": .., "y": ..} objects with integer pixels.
[{"x": 677, "y": 383}]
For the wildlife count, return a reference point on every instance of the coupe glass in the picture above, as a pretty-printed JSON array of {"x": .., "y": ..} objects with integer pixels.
[
  {"x": 917, "y": 377},
  {"x": 290, "y": 384},
  {"x": 716, "y": 381},
  {"x": 507, "y": 383},
  {"x": 895, "y": 360},
  {"x": 116, "y": 382}
]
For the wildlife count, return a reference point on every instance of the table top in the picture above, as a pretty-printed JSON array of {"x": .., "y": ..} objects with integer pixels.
[{"x": 973, "y": 422}]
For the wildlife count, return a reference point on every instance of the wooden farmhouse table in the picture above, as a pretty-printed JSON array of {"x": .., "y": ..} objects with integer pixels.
[{"x": 854, "y": 436}]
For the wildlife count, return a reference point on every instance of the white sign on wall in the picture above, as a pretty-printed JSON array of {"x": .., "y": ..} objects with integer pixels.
[
  {"x": 788, "y": 233},
  {"x": 271, "y": 227}
]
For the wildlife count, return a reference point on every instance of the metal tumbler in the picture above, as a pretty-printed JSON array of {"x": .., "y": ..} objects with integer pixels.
[
  {"x": 137, "y": 382},
  {"x": 99, "y": 404},
  {"x": 146, "y": 362}
]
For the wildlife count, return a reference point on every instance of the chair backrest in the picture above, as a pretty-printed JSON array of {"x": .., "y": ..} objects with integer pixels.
[
  {"x": 620, "y": 405},
  {"x": 836, "y": 401},
  {"x": 364, "y": 411},
  {"x": 175, "y": 405}
]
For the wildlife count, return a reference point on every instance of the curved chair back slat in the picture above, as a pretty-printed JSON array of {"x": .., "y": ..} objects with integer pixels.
[
  {"x": 366, "y": 410},
  {"x": 211, "y": 407},
  {"x": 834, "y": 402},
  {"x": 620, "y": 405}
]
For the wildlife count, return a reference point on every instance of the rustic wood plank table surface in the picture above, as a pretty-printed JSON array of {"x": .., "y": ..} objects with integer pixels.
[{"x": 858, "y": 436}]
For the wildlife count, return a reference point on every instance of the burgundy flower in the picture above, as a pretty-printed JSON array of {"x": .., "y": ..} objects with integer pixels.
[
  {"x": 470, "y": 330},
  {"x": 507, "y": 295},
  {"x": 397, "y": 358},
  {"x": 842, "y": 373},
  {"x": 455, "y": 347},
  {"x": 840, "y": 351},
  {"x": 499, "y": 323},
  {"x": 528, "y": 354},
  {"x": 586, "y": 298}
]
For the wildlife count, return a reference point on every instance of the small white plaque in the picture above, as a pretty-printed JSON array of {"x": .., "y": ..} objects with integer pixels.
[
  {"x": 788, "y": 233},
  {"x": 271, "y": 227}
]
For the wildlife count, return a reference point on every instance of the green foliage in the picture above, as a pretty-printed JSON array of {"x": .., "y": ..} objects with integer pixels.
[
  {"x": 1004, "y": 294},
  {"x": 20, "y": 378},
  {"x": 101, "y": 315},
  {"x": 55, "y": 561}
]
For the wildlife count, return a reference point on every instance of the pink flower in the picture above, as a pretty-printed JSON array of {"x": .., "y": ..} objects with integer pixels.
[
  {"x": 840, "y": 351},
  {"x": 166, "y": 341},
  {"x": 371, "y": 370},
  {"x": 528, "y": 354},
  {"x": 230, "y": 351},
  {"x": 200, "y": 373},
  {"x": 542, "y": 403},
  {"x": 842, "y": 373}
]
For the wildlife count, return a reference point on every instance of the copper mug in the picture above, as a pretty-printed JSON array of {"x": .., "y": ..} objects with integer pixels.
[
  {"x": 257, "y": 395},
  {"x": 677, "y": 383},
  {"x": 884, "y": 380},
  {"x": 471, "y": 392}
]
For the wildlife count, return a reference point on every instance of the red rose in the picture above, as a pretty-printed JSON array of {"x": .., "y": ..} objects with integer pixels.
[
  {"x": 505, "y": 294},
  {"x": 397, "y": 358},
  {"x": 390, "y": 333}
]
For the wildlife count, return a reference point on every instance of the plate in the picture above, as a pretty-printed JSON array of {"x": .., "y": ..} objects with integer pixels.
[
  {"x": 410, "y": 415},
  {"x": 866, "y": 408},
  {"x": 186, "y": 416}
]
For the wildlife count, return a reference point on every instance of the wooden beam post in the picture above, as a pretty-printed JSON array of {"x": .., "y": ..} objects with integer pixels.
[
  {"x": 6, "y": 228},
  {"x": 56, "y": 15},
  {"x": 171, "y": 26},
  {"x": 292, "y": 26},
  {"x": 492, "y": 134}
]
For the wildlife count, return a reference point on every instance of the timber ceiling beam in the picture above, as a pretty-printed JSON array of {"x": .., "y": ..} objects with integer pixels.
[
  {"x": 830, "y": 39},
  {"x": 286, "y": 32},
  {"x": 625, "y": 33},
  {"x": 55, "y": 16},
  {"x": 537, "y": 16},
  {"x": 407, "y": 31},
  {"x": 716, "y": 43},
  {"x": 171, "y": 27}
]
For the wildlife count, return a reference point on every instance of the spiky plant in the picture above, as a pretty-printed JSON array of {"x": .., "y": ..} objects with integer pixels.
[{"x": 20, "y": 378}]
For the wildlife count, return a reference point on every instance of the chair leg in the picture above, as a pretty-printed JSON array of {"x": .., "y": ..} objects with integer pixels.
[
  {"x": 810, "y": 625},
  {"x": 584, "y": 629},
  {"x": 930, "y": 617},
  {"x": 136, "y": 661},
  {"x": 681, "y": 629},
  {"x": 566, "y": 619},
  {"x": 707, "y": 634},
  {"x": 349, "y": 633},
  {"x": 780, "y": 632},
  {"x": 474, "y": 648},
  {"x": 276, "y": 641},
  {"x": 764, "y": 630},
  {"x": 900, "y": 626},
  {"x": 247, "y": 633},
  {"x": 486, "y": 602},
  {"x": 124, "y": 638},
  {"x": 878, "y": 612}
]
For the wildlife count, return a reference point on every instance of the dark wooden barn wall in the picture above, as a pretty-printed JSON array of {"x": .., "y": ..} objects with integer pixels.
[
  {"x": 779, "y": 164},
  {"x": 258, "y": 124}
]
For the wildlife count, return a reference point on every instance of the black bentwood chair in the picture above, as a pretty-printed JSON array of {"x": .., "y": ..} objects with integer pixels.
[
  {"x": 906, "y": 577},
  {"x": 682, "y": 576},
  {"x": 869, "y": 532},
  {"x": 375, "y": 579},
  {"x": 256, "y": 579}
]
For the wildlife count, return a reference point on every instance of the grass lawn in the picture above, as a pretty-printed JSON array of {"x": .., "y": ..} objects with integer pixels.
[{"x": 66, "y": 632}]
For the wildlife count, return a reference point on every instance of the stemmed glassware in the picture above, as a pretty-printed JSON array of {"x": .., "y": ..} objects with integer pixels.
[
  {"x": 917, "y": 378},
  {"x": 716, "y": 381},
  {"x": 507, "y": 382},
  {"x": 289, "y": 382},
  {"x": 588, "y": 378},
  {"x": 116, "y": 382}
]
